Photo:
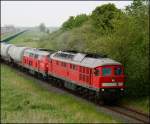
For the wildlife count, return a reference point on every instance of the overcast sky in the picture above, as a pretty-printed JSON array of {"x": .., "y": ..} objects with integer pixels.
[{"x": 52, "y": 13}]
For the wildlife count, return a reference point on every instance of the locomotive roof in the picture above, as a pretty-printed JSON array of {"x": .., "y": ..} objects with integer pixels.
[
  {"x": 37, "y": 51},
  {"x": 83, "y": 60}
]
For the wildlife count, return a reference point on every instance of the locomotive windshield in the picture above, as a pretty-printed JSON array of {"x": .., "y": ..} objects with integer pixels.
[
  {"x": 118, "y": 71},
  {"x": 106, "y": 71}
]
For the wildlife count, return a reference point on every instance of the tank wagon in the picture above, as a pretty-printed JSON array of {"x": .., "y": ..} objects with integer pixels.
[
  {"x": 4, "y": 51},
  {"x": 81, "y": 72},
  {"x": 16, "y": 53}
]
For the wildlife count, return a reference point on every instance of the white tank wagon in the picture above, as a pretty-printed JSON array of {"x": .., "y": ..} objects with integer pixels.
[
  {"x": 16, "y": 53},
  {"x": 4, "y": 50}
]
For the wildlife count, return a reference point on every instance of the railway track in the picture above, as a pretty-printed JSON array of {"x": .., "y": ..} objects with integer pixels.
[
  {"x": 126, "y": 114},
  {"x": 130, "y": 113}
]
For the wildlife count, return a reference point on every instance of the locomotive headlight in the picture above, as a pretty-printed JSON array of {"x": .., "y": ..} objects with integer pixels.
[
  {"x": 120, "y": 83},
  {"x": 102, "y": 89}
]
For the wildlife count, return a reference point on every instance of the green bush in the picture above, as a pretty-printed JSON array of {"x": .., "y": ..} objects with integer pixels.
[
  {"x": 103, "y": 17},
  {"x": 73, "y": 22}
]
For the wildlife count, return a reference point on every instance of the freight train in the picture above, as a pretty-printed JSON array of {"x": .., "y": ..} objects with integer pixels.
[{"x": 97, "y": 75}]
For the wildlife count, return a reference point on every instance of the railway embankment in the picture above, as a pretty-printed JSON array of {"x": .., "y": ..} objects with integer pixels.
[{"x": 12, "y": 36}]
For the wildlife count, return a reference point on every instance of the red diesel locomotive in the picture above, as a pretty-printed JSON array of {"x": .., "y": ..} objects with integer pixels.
[{"x": 93, "y": 74}]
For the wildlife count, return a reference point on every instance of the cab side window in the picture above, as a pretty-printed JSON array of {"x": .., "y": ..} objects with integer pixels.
[{"x": 96, "y": 72}]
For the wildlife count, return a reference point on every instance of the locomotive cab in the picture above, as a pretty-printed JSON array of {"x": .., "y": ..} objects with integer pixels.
[{"x": 110, "y": 80}]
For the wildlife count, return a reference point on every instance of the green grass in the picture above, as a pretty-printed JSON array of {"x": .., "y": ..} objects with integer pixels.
[
  {"x": 140, "y": 104},
  {"x": 22, "y": 100}
]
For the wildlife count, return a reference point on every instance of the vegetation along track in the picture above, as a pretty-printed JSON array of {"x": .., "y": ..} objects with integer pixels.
[{"x": 126, "y": 114}]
